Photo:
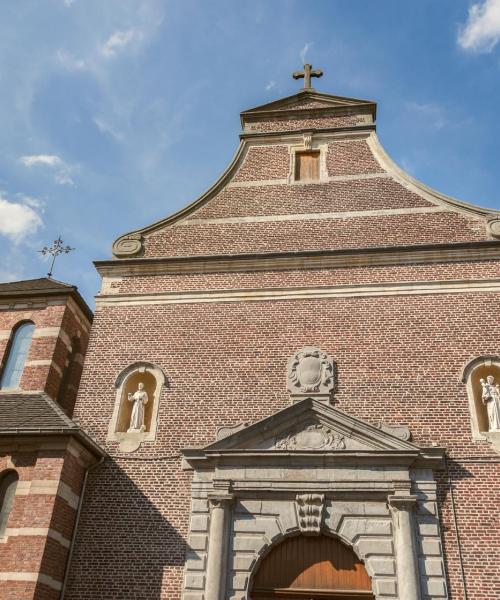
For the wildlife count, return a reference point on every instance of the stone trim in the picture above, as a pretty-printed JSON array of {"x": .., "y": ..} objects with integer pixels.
[
  {"x": 315, "y": 259},
  {"x": 44, "y": 363},
  {"x": 18, "y": 305},
  {"x": 35, "y": 532},
  {"x": 422, "y": 190},
  {"x": 304, "y": 293},
  {"x": 32, "y": 577},
  {"x": 329, "y": 179},
  {"x": 316, "y": 216}
]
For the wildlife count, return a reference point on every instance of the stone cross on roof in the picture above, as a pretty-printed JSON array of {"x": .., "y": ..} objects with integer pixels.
[{"x": 307, "y": 73}]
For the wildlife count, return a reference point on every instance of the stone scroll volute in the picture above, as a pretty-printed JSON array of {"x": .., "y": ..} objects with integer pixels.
[{"x": 310, "y": 374}]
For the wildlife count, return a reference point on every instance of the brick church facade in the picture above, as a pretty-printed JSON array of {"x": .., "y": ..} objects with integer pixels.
[{"x": 285, "y": 392}]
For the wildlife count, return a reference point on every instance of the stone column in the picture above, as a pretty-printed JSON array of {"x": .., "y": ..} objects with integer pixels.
[
  {"x": 220, "y": 505},
  {"x": 402, "y": 508}
]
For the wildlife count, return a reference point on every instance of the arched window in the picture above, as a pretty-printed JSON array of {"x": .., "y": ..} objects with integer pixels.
[
  {"x": 8, "y": 484},
  {"x": 17, "y": 353}
]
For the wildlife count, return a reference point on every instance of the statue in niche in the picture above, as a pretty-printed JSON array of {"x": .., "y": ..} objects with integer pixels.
[
  {"x": 140, "y": 399},
  {"x": 491, "y": 398}
]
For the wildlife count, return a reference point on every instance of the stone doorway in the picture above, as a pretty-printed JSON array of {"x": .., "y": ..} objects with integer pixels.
[{"x": 310, "y": 568}]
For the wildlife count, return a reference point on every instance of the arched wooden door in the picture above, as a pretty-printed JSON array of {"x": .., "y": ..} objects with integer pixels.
[{"x": 310, "y": 568}]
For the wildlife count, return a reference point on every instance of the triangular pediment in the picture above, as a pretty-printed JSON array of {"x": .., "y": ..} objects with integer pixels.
[
  {"x": 312, "y": 425},
  {"x": 308, "y": 100}
]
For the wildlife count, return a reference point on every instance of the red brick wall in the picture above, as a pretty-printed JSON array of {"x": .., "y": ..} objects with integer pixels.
[
  {"x": 399, "y": 358},
  {"x": 35, "y": 508},
  {"x": 54, "y": 348},
  {"x": 316, "y": 234},
  {"x": 314, "y": 122}
]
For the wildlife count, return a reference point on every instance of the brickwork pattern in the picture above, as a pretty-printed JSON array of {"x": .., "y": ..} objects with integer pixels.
[
  {"x": 38, "y": 506},
  {"x": 264, "y": 162},
  {"x": 52, "y": 349},
  {"x": 314, "y": 122},
  {"x": 397, "y": 362},
  {"x": 318, "y": 234},
  {"x": 311, "y": 278},
  {"x": 351, "y": 158},
  {"x": 299, "y": 198}
]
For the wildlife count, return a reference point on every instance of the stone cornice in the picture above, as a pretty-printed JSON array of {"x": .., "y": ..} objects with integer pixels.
[
  {"x": 286, "y": 261},
  {"x": 359, "y": 129}
]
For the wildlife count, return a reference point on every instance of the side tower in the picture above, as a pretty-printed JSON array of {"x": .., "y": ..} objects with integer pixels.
[
  {"x": 44, "y": 455},
  {"x": 291, "y": 366}
]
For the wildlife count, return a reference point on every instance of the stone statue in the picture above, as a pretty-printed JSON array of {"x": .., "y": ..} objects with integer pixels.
[
  {"x": 491, "y": 397},
  {"x": 140, "y": 399}
]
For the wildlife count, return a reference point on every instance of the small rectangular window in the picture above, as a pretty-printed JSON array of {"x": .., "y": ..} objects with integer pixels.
[{"x": 307, "y": 166}]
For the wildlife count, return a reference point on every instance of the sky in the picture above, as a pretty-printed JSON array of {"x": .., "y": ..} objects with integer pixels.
[{"x": 117, "y": 113}]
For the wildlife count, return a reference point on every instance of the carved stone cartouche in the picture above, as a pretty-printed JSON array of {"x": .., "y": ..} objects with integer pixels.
[
  {"x": 310, "y": 374},
  {"x": 313, "y": 437}
]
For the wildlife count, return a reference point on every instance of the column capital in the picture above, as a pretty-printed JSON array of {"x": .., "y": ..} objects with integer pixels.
[
  {"x": 402, "y": 502},
  {"x": 220, "y": 500}
]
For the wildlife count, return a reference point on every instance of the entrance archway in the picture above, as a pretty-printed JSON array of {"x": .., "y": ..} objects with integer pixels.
[{"x": 310, "y": 568}]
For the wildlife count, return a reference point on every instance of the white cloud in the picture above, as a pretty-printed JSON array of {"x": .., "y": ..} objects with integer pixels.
[
  {"x": 118, "y": 40},
  {"x": 69, "y": 2},
  {"x": 481, "y": 33},
  {"x": 68, "y": 61},
  {"x": 270, "y": 85},
  {"x": 18, "y": 219},
  {"x": 433, "y": 114},
  {"x": 62, "y": 174},
  {"x": 50, "y": 160},
  {"x": 304, "y": 51}
]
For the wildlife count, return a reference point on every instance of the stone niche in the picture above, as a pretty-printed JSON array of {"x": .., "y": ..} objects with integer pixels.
[
  {"x": 127, "y": 383},
  {"x": 477, "y": 369}
]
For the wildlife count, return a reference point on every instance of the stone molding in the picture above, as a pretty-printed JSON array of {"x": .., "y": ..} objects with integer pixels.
[
  {"x": 316, "y": 216},
  {"x": 406, "y": 288},
  {"x": 315, "y": 259}
]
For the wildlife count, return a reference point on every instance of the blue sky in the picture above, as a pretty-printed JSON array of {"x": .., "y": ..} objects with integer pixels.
[{"x": 116, "y": 113}]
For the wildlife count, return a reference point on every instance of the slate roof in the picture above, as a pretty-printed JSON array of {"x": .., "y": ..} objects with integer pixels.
[
  {"x": 37, "y": 414},
  {"x": 28, "y": 285},
  {"x": 43, "y": 286}
]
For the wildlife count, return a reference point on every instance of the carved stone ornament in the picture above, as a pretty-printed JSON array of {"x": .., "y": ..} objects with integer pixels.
[
  {"x": 313, "y": 437},
  {"x": 128, "y": 245},
  {"x": 308, "y": 139},
  {"x": 225, "y": 431},
  {"x": 310, "y": 374},
  {"x": 400, "y": 431},
  {"x": 494, "y": 227},
  {"x": 310, "y": 513}
]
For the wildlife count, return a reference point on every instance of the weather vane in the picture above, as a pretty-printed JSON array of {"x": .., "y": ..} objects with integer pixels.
[{"x": 54, "y": 250}]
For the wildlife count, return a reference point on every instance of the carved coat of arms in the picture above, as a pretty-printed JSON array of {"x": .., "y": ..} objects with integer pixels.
[
  {"x": 310, "y": 373},
  {"x": 313, "y": 437}
]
